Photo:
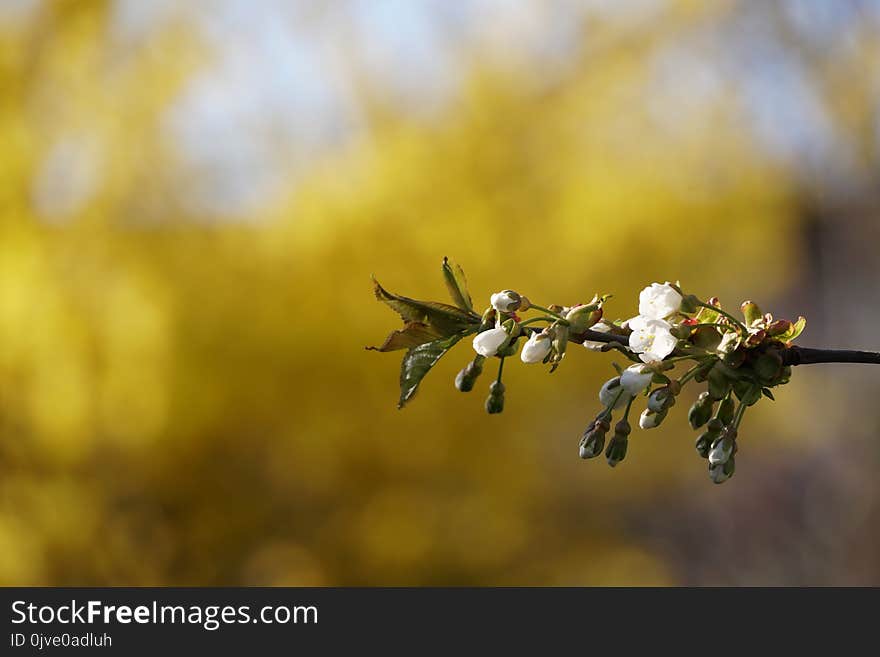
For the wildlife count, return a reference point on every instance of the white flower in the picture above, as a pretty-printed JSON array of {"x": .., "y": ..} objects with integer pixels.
[
  {"x": 600, "y": 327},
  {"x": 505, "y": 301},
  {"x": 487, "y": 343},
  {"x": 536, "y": 348},
  {"x": 612, "y": 391},
  {"x": 651, "y": 339},
  {"x": 659, "y": 301},
  {"x": 635, "y": 379}
]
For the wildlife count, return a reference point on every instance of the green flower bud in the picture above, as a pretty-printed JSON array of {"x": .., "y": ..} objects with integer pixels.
[
  {"x": 768, "y": 367},
  {"x": 616, "y": 450},
  {"x": 722, "y": 449},
  {"x": 689, "y": 304},
  {"x": 715, "y": 426},
  {"x": 719, "y": 384},
  {"x": 704, "y": 444},
  {"x": 726, "y": 410},
  {"x": 466, "y": 379},
  {"x": 701, "y": 411},
  {"x": 722, "y": 471},
  {"x": 510, "y": 349},
  {"x": 495, "y": 401},
  {"x": 582, "y": 317},
  {"x": 593, "y": 439},
  {"x": 661, "y": 399},
  {"x": 751, "y": 312}
]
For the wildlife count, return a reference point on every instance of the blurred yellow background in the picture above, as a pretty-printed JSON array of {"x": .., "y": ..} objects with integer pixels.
[{"x": 193, "y": 197}]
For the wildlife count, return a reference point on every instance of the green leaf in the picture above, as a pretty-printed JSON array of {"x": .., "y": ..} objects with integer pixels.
[
  {"x": 457, "y": 285},
  {"x": 796, "y": 329},
  {"x": 768, "y": 394},
  {"x": 446, "y": 319},
  {"x": 418, "y": 361},
  {"x": 411, "y": 335}
]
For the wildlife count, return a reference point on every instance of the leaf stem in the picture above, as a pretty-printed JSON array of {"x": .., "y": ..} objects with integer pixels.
[
  {"x": 546, "y": 310},
  {"x": 726, "y": 314},
  {"x": 549, "y": 320}
]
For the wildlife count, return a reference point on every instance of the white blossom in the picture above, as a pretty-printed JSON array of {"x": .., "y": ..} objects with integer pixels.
[
  {"x": 659, "y": 301},
  {"x": 635, "y": 379},
  {"x": 651, "y": 339},
  {"x": 536, "y": 348},
  {"x": 487, "y": 343}
]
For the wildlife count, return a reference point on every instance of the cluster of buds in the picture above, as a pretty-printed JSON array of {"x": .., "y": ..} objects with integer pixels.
[{"x": 739, "y": 360}]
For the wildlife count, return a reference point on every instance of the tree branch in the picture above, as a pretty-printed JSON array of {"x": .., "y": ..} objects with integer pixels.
[
  {"x": 808, "y": 356},
  {"x": 791, "y": 356}
]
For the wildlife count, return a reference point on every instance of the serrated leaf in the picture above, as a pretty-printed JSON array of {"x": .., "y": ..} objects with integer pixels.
[
  {"x": 418, "y": 361},
  {"x": 457, "y": 284},
  {"x": 411, "y": 335},
  {"x": 796, "y": 329},
  {"x": 446, "y": 319}
]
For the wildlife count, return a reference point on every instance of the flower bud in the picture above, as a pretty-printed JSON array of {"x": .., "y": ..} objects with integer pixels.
[
  {"x": 536, "y": 348},
  {"x": 510, "y": 348},
  {"x": 723, "y": 471},
  {"x": 612, "y": 391},
  {"x": 661, "y": 399},
  {"x": 719, "y": 384},
  {"x": 690, "y": 304},
  {"x": 768, "y": 366},
  {"x": 751, "y": 312},
  {"x": 715, "y": 426},
  {"x": 487, "y": 343},
  {"x": 495, "y": 401},
  {"x": 704, "y": 444},
  {"x": 583, "y": 316},
  {"x": 722, "y": 449},
  {"x": 701, "y": 411},
  {"x": 650, "y": 419},
  {"x": 635, "y": 379},
  {"x": 465, "y": 379},
  {"x": 593, "y": 439},
  {"x": 616, "y": 450},
  {"x": 506, "y": 301},
  {"x": 726, "y": 410}
]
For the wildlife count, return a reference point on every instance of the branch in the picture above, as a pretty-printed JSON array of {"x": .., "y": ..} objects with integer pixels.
[
  {"x": 791, "y": 356},
  {"x": 808, "y": 356}
]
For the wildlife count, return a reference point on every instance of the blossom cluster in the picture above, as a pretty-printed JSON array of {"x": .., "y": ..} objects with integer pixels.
[{"x": 739, "y": 359}]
